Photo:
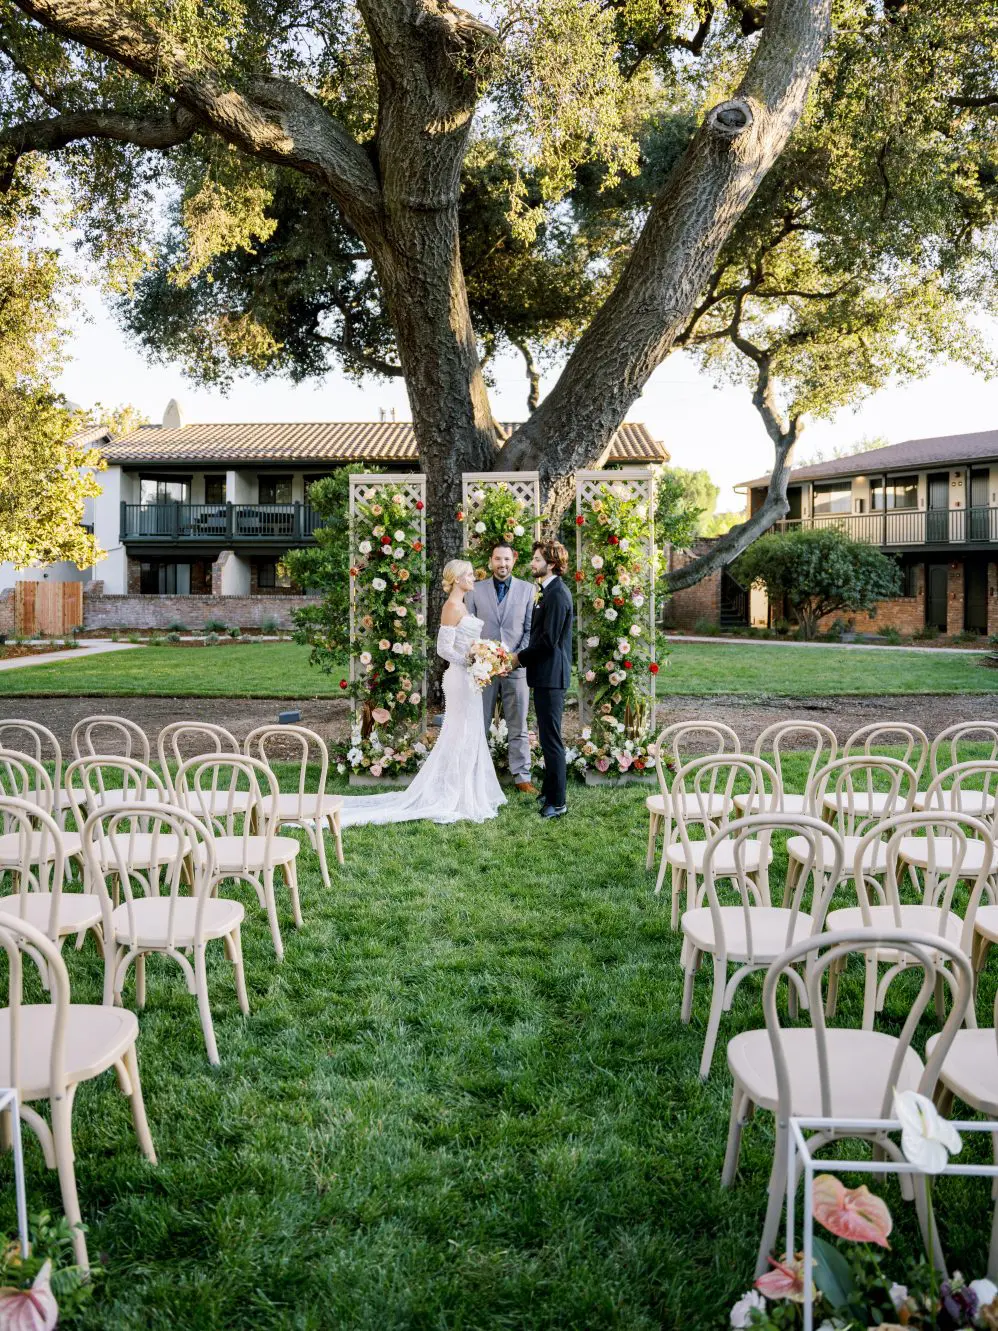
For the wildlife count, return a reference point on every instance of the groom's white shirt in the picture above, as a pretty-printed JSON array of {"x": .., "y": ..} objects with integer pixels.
[{"x": 550, "y": 578}]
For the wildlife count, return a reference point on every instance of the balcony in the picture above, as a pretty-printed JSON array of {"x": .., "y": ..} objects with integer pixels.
[
  {"x": 285, "y": 524},
  {"x": 911, "y": 528}
]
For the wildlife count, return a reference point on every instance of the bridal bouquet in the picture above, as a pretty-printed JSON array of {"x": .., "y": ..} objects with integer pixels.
[{"x": 487, "y": 660}]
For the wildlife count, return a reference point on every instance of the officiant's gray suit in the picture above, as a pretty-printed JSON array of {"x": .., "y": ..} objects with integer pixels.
[{"x": 508, "y": 622}]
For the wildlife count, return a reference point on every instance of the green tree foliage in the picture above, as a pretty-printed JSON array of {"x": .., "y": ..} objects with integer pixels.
[{"x": 820, "y": 571}]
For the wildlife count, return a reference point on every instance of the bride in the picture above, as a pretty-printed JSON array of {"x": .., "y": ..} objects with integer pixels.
[{"x": 458, "y": 781}]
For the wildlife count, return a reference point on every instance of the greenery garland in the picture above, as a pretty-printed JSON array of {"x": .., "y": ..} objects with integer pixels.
[{"x": 498, "y": 517}]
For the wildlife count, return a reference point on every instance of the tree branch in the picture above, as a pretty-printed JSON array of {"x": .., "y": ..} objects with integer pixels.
[
  {"x": 533, "y": 372},
  {"x": 986, "y": 99},
  {"x": 270, "y": 118},
  {"x": 51, "y": 97},
  {"x": 362, "y": 359},
  {"x": 161, "y": 129}
]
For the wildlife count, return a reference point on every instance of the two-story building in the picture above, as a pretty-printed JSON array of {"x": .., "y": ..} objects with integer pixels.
[
  {"x": 930, "y": 503},
  {"x": 196, "y": 518}
]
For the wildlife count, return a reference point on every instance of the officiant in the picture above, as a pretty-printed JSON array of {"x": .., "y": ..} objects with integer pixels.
[{"x": 505, "y": 605}]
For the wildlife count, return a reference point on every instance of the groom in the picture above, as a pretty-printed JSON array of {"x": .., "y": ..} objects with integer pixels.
[{"x": 548, "y": 658}]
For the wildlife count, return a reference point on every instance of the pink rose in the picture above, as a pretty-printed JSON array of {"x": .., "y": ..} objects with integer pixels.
[
  {"x": 381, "y": 715},
  {"x": 602, "y": 764},
  {"x": 376, "y": 769}
]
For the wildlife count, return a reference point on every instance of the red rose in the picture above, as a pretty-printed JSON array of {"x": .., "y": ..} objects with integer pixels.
[
  {"x": 653, "y": 668},
  {"x": 419, "y": 505},
  {"x": 354, "y": 572},
  {"x": 618, "y": 600},
  {"x": 639, "y": 764},
  {"x": 600, "y": 579},
  {"x": 386, "y": 540},
  {"x": 580, "y": 576},
  {"x": 343, "y": 683},
  {"x": 460, "y": 515},
  {"x": 417, "y": 546},
  {"x": 614, "y": 540},
  {"x": 579, "y": 520},
  {"x": 628, "y": 665}
]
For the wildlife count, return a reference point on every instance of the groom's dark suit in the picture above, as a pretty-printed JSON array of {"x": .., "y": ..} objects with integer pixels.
[{"x": 548, "y": 658}]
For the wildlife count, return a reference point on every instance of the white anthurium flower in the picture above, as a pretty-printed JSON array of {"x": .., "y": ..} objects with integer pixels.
[
  {"x": 592, "y": 641},
  {"x": 364, "y": 547},
  {"x": 378, "y": 584},
  {"x": 610, "y": 614},
  {"x": 479, "y": 527},
  {"x": 986, "y": 1291},
  {"x": 927, "y": 1139},
  {"x": 741, "y": 1313}
]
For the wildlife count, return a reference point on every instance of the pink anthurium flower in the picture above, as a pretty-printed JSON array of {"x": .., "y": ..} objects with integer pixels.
[
  {"x": 851, "y": 1213},
  {"x": 785, "y": 1281},
  {"x": 381, "y": 715},
  {"x": 33, "y": 1309}
]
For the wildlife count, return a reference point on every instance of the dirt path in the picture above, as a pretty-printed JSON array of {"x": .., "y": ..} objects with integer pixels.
[{"x": 330, "y": 717}]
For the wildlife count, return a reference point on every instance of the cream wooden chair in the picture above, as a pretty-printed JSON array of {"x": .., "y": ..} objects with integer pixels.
[
  {"x": 131, "y": 782},
  {"x": 181, "y": 740},
  {"x": 313, "y": 811},
  {"x": 881, "y": 734},
  {"x": 819, "y": 1071},
  {"x": 796, "y": 736},
  {"x": 255, "y": 854},
  {"x": 711, "y": 737},
  {"x": 702, "y": 796},
  {"x": 168, "y": 924},
  {"x": 749, "y": 935},
  {"x": 23, "y": 777},
  {"x": 33, "y": 856},
  {"x": 950, "y": 848},
  {"x": 970, "y": 789},
  {"x": 852, "y": 795},
  {"x": 104, "y": 736},
  {"x": 40, "y": 743},
  {"x": 944, "y": 755},
  {"x": 48, "y": 1049}
]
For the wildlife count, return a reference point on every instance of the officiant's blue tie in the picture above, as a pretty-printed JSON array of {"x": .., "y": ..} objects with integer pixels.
[{"x": 501, "y": 590}]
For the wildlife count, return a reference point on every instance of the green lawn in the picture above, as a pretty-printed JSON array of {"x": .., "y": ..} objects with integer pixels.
[
  {"x": 464, "y": 1100},
  {"x": 281, "y": 670}
]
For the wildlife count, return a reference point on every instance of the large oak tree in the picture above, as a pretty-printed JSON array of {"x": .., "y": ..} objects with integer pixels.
[{"x": 406, "y": 185}]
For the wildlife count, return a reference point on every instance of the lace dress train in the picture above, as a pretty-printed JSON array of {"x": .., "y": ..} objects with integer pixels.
[{"x": 458, "y": 781}]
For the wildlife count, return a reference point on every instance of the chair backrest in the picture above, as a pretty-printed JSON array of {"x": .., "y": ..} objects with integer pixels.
[
  {"x": 824, "y": 950},
  {"x": 33, "y": 738},
  {"x": 706, "y": 736},
  {"x": 207, "y": 785},
  {"x": 946, "y": 840},
  {"x": 136, "y": 781},
  {"x": 971, "y": 786},
  {"x": 860, "y": 791},
  {"x": 17, "y": 938},
  {"x": 808, "y": 736},
  {"x": 102, "y": 736},
  {"x": 823, "y": 869},
  {"x": 302, "y": 742},
  {"x": 39, "y": 858},
  {"x": 703, "y": 791},
  {"x": 183, "y": 739},
  {"x": 910, "y": 738},
  {"x": 945, "y": 750},
  {"x": 107, "y": 837},
  {"x": 23, "y": 777}
]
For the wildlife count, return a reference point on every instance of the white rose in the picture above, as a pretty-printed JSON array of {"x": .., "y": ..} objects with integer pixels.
[
  {"x": 517, "y": 530},
  {"x": 378, "y": 584},
  {"x": 743, "y": 1309},
  {"x": 637, "y": 600},
  {"x": 407, "y": 649},
  {"x": 479, "y": 527},
  {"x": 629, "y": 745},
  {"x": 636, "y": 630},
  {"x": 387, "y": 551},
  {"x": 399, "y": 501},
  {"x": 419, "y": 619},
  {"x": 414, "y": 698},
  {"x": 618, "y": 655},
  {"x": 624, "y": 543},
  {"x": 615, "y": 591},
  {"x": 397, "y": 648},
  {"x": 400, "y": 536},
  {"x": 590, "y": 676},
  {"x": 365, "y": 658},
  {"x": 623, "y": 645},
  {"x": 597, "y": 561},
  {"x": 419, "y": 747},
  {"x": 400, "y": 610},
  {"x": 399, "y": 552},
  {"x": 587, "y": 732},
  {"x": 592, "y": 642},
  {"x": 478, "y": 496},
  {"x": 341, "y": 768},
  {"x": 610, "y": 614},
  {"x": 364, "y": 547}
]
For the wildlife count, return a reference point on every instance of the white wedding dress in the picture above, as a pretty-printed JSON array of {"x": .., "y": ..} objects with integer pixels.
[{"x": 458, "y": 781}]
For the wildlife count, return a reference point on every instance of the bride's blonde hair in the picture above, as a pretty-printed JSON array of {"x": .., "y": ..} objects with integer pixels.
[{"x": 454, "y": 569}]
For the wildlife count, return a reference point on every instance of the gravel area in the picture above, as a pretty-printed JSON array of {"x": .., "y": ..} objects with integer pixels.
[{"x": 330, "y": 717}]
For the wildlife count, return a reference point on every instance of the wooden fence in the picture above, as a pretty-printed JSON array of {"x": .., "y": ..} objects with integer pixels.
[{"x": 53, "y": 608}]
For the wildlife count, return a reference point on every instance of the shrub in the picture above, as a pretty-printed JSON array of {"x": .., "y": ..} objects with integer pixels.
[
  {"x": 269, "y": 625},
  {"x": 211, "y": 639},
  {"x": 968, "y": 635},
  {"x": 707, "y": 628},
  {"x": 892, "y": 635},
  {"x": 177, "y": 627},
  {"x": 214, "y": 626},
  {"x": 173, "y": 637},
  {"x": 157, "y": 640},
  {"x": 928, "y": 633},
  {"x": 235, "y": 631},
  {"x": 135, "y": 637}
]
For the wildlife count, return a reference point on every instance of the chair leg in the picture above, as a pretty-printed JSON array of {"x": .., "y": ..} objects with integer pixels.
[
  {"x": 870, "y": 991},
  {"x": 677, "y": 891},
  {"x": 774, "y": 1207},
  {"x": 739, "y": 1102},
  {"x": 138, "y": 1106},
  {"x": 204, "y": 1007},
  {"x": 660, "y": 879},
  {"x": 714, "y": 1020},
  {"x": 790, "y": 886},
  {"x": 62, "y": 1141},
  {"x": 234, "y": 947},
  {"x": 652, "y": 839},
  {"x": 832, "y": 997},
  {"x": 271, "y": 904},
  {"x": 140, "y": 981},
  {"x": 688, "y": 979},
  {"x": 334, "y": 821},
  {"x": 291, "y": 878},
  {"x": 320, "y": 848}
]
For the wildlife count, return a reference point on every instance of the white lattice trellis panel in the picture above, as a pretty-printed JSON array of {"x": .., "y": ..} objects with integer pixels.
[
  {"x": 364, "y": 489},
  {"x": 629, "y": 483},
  {"x": 525, "y": 487}
]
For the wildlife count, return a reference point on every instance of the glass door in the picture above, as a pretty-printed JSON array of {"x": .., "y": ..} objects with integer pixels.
[{"x": 937, "y": 518}]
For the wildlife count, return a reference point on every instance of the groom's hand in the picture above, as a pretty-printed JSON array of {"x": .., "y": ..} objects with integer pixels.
[{"x": 514, "y": 661}]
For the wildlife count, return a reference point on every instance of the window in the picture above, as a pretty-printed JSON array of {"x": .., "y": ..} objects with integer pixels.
[
  {"x": 901, "y": 492},
  {"x": 156, "y": 579},
  {"x": 832, "y": 497},
  {"x": 165, "y": 490},
  {"x": 275, "y": 489},
  {"x": 214, "y": 489},
  {"x": 909, "y": 580},
  {"x": 270, "y": 579}
]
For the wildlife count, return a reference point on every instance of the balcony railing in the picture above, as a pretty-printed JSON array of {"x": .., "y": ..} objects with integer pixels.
[
  {"x": 289, "y": 523},
  {"x": 903, "y": 528}
]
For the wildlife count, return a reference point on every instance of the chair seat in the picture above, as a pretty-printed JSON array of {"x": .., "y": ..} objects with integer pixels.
[
  {"x": 98, "y": 797},
  {"x": 151, "y": 914},
  {"x": 859, "y": 1066},
  {"x": 875, "y": 860},
  {"x": 771, "y": 926},
  {"x": 96, "y": 1037},
  {"x": 233, "y": 853},
  {"x": 77, "y": 910},
  {"x": 971, "y": 1068},
  {"x": 750, "y": 856},
  {"x": 10, "y": 847},
  {"x": 986, "y": 922},
  {"x": 786, "y": 804},
  {"x": 972, "y": 802},
  {"x": 913, "y": 919},
  {"x": 862, "y": 802},
  {"x": 217, "y": 803},
  {"x": 305, "y": 807},
  {"x": 714, "y": 805},
  {"x": 915, "y": 850},
  {"x": 143, "y": 849}
]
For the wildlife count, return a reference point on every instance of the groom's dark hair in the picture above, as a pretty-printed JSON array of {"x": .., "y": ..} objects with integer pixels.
[{"x": 554, "y": 553}]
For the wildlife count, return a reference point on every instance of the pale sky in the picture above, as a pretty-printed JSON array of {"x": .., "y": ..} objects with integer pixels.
[{"x": 701, "y": 425}]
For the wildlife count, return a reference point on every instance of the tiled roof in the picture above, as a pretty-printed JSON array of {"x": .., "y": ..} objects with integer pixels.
[
  {"x": 945, "y": 450},
  {"x": 94, "y": 434},
  {"x": 318, "y": 441}
]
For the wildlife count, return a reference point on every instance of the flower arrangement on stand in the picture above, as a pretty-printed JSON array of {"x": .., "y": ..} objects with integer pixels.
[
  {"x": 614, "y": 583},
  {"x": 497, "y": 516},
  {"x": 389, "y": 644}
]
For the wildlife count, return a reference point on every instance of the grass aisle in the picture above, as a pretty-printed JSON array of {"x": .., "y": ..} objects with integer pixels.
[
  {"x": 281, "y": 670},
  {"x": 465, "y": 1100}
]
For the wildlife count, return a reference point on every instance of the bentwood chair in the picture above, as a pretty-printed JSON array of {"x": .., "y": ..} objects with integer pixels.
[
  {"x": 38, "y": 742},
  {"x": 911, "y": 739},
  {"x": 181, "y": 740},
  {"x": 809, "y": 738},
  {"x": 944, "y": 755},
  {"x": 673, "y": 745},
  {"x": 312, "y": 810}
]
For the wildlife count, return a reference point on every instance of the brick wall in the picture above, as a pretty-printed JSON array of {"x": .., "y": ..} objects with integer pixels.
[
  {"x": 993, "y": 598},
  {"x": 7, "y": 612},
  {"x": 954, "y": 599},
  {"x": 702, "y": 601},
  {"x": 906, "y": 613},
  {"x": 157, "y": 612}
]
